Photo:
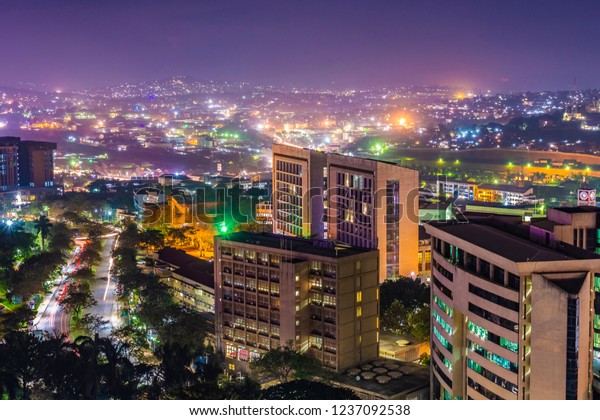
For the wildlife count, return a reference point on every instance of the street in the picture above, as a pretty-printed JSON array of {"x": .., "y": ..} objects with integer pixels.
[
  {"x": 52, "y": 319},
  {"x": 103, "y": 289}
]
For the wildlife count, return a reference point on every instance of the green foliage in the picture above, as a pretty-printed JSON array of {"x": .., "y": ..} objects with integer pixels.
[
  {"x": 285, "y": 362},
  {"x": 405, "y": 307},
  {"x": 31, "y": 276},
  {"x": 78, "y": 297},
  {"x": 43, "y": 226},
  {"x": 411, "y": 293},
  {"x": 151, "y": 239},
  {"x": 60, "y": 238}
]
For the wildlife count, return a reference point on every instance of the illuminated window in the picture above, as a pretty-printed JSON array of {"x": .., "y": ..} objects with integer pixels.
[
  {"x": 358, "y": 311},
  {"x": 231, "y": 366},
  {"x": 358, "y": 297},
  {"x": 230, "y": 351}
]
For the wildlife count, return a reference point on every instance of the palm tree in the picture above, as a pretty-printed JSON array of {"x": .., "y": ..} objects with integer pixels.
[{"x": 43, "y": 225}]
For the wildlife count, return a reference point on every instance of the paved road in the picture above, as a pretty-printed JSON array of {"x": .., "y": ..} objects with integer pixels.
[
  {"x": 51, "y": 318},
  {"x": 103, "y": 289}
]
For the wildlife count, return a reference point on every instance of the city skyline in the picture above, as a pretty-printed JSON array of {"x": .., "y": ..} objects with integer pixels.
[{"x": 344, "y": 45}]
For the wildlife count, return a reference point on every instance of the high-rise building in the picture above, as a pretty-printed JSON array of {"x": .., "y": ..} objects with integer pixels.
[
  {"x": 9, "y": 163},
  {"x": 36, "y": 164},
  {"x": 374, "y": 204},
  {"x": 26, "y": 163},
  {"x": 512, "y": 316},
  {"x": 359, "y": 202},
  {"x": 298, "y": 191},
  {"x": 272, "y": 290}
]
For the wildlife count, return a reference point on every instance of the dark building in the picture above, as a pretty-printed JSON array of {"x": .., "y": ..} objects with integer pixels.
[
  {"x": 26, "y": 163},
  {"x": 36, "y": 164},
  {"x": 9, "y": 163}
]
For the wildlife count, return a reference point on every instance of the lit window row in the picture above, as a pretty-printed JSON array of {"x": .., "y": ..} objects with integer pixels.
[
  {"x": 490, "y": 336},
  {"x": 449, "y": 311},
  {"x": 442, "y": 322},
  {"x": 442, "y": 339},
  {"x": 493, "y": 357}
]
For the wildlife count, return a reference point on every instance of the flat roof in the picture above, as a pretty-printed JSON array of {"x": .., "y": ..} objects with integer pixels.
[
  {"x": 577, "y": 209},
  {"x": 504, "y": 187},
  {"x": 502, "y": 243},
  {"x": 290, "y": 243},
  {"x": 196, "y": 269},
  {"x": 414, "y": 378}
]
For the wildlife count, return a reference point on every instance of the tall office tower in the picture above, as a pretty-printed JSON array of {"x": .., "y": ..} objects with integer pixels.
[
  {"x": 36, "y": 163},
  {"x": 271, "y": 290},
  {"x": 298, "y": 187},
  {"x": 374, "y": 204},
  {"x": 9, "y": 163},
  {"x": 512, "y": 318},
  {"x": 369, "y": 204}
]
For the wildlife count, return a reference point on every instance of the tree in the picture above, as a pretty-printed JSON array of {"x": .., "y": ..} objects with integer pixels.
[
  {"x": 90, "y": 256},
  {"x": 152, "y": 239},
  {"x": 43, "y": 226},
  {"x": 93, "y": 324},
  {"x": 419, "y": 323},
  {"x": 411, "y": 293},
  {"x": 33, "y": 273},
  {"x": 302, "y": 389},
  {"x": 78, "y": 297},
  {"x": 395, "y": 318},
  {"x": 60, "y": 238},
  {"x": 15, "y": 320},
  {"x": 285, "y": 362}
]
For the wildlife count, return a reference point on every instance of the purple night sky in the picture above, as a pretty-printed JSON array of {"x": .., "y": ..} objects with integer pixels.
[{"x": 501, "y": 45}]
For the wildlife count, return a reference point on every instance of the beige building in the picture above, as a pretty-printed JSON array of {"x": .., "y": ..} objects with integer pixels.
[
  {"x": 272, "y": 290},
  {"x": 298, "y": 186},
  {"x": 191, "y": 279},
  {"x": 512, "y": 318},
  {"x": 365, "y": 202}
]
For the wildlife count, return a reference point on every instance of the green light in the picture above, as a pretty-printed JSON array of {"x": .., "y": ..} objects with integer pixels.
[
  {"x": 223, "y": 228},
  {"x": 457, "y": 162}
]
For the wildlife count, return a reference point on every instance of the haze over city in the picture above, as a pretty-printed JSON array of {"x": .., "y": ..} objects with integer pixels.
[{"x": 503, "y": 46}]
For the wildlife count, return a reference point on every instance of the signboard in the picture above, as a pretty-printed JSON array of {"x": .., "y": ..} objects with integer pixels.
[{"x": 586, "y": 197}]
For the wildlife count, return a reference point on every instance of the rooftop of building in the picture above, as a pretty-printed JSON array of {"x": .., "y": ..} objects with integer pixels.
[
  {"x": 320, "y": 247},
  {"x": 438, "y": 206},
  {"x": 504, "y": 187},
  {"x": 463, "y": 202},
  {"x": 578, "y": 209},
  {"x": 347, "y": 156},
  {"x": 196, "y": 269},
  {"x": 511, "y": 241},
  {"x": 413, "y": 377}
]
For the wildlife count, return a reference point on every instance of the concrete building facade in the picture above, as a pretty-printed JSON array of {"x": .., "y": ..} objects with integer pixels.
[
  {"x": 511, "y": 318},
  {"x": 359, "y": 202},
  {"x": 273, "y": 290}
]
